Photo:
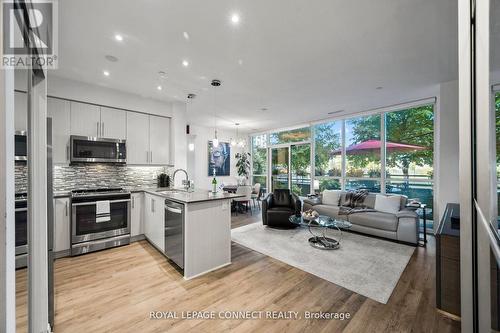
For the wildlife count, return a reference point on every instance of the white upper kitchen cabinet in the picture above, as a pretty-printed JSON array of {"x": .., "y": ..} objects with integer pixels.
[
  {"x": 113, "y": 123},
  {"x": 85, "y": 119},
  {"x": 137, "y": 138},
  {"x": 59, "y": 111},
  {"x": 159, "y": 140},
  {"x": 21, "y": 111}
]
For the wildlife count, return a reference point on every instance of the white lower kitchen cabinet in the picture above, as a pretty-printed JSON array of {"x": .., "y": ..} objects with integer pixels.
[
  {"x": 154, "y": 224},
  {"x": 59, "y": 111},
  {"x": 136, "y": 214},
  {"x": 62, "y": 237}
]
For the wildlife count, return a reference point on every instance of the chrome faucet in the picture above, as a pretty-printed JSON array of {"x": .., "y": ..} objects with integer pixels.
[{"x": 186, "y": 183}]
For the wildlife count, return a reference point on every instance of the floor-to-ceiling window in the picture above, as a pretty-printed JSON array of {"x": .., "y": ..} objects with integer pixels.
[
  {"x": 328, "y": 156},
  {"x": 259, "y": 161},
  {"x": 352, "y": 154},
  {"x": 362, "y": 153},
  {"x": 409, "y": 151}
]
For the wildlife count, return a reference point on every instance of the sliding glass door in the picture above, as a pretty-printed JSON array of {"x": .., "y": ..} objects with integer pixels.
[
  {"x": 280, "y": 168},
  {"x": 291, "y": 168}
]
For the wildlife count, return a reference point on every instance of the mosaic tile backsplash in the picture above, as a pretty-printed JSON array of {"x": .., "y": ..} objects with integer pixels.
[{"x": 80, "y": 176}]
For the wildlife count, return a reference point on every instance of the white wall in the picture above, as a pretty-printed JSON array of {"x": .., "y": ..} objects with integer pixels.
[
  {"x": 447, "y": 148},
  {"x": 198, "y": 159},
  {"x": 80, "y": 91},
  {"x": 179, "y": 138}
]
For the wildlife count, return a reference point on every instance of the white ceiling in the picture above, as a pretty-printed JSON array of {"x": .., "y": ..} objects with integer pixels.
[{"x": 300, "y": 59}]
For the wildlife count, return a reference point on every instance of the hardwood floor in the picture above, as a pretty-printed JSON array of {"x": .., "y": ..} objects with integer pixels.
[{"x": 115, "y": 290}]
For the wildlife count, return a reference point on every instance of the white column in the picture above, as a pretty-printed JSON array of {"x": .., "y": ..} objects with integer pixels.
[
  {"x": 37, "y": 206},
  {"x": 465, "y": 169},
  {"x": 7, "y": 214}
]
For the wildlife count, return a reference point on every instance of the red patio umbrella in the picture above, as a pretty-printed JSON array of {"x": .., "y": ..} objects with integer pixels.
[{"x": 374, "y": 146}]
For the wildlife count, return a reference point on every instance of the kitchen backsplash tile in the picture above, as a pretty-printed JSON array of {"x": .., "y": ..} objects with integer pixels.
[
  {"x": 79, "y": 176},
  {"x": 21, "y": 177}
]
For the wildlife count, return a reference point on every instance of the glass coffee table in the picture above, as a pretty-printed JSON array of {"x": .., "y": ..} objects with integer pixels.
[{"x": 320, "y": 241}]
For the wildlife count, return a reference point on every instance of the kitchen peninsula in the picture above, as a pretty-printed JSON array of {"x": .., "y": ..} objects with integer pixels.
[{"x": 192, "y": 229}]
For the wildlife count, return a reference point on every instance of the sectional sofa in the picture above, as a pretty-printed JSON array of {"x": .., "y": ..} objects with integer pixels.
[{"x": 378, "y": 214}]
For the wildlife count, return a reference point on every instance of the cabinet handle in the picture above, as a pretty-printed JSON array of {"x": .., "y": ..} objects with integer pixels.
[
  {"x": 67, "y": 153},
  {"x": 152, "y": 205},
  {"x": 102, "y": 129},
  {"x": 97, "y": 128},
  {"x": 151, "y": 156},
  {"x": 133, "y": 202},
  {"x": 66, "y": 208}
]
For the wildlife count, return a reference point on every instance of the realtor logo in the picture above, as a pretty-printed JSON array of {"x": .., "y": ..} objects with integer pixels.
[{"x": 29, "y": 32}]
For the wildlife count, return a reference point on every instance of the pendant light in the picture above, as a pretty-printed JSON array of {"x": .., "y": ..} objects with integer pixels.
[
  {"x": 190, "y": 98},
  {"x": 234, "y": 142},
  {"x": 215, "y": 141}
]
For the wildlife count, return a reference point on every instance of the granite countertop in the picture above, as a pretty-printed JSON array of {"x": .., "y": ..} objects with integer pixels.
[
  {"x": 172, "y": 194},
  {"x": 191, "y": 197}
]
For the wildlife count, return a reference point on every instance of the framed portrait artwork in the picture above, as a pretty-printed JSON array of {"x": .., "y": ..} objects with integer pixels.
[{"x": 219, "y": 158}]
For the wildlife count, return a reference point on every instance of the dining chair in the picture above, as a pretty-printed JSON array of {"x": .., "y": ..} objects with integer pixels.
[
  {"x": 245, "y": 190},
  {"x": 256, "y": 195}
]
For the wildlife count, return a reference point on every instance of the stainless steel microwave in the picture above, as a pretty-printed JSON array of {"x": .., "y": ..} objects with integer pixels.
[{"x": 97, "y": 150}]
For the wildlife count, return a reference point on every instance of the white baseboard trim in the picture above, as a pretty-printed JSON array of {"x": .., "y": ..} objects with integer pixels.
[
  {"x": 207, "y": 271},
  {"x": 137, "y": 238}
]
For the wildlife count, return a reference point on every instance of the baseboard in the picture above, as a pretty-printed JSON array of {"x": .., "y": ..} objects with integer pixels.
[
  {"x": 137, "y": 238},
  {"x": 205, "y": 272}
]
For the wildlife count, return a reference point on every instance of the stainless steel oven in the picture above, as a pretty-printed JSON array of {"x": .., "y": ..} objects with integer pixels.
[
  {"x": 21, "y": 220},
  {"x": 91, "y": 149},
  {"x": 95, "y": 228}
]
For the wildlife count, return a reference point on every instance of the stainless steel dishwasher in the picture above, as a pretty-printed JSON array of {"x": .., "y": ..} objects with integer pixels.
[{"x": 174, "y": 232}]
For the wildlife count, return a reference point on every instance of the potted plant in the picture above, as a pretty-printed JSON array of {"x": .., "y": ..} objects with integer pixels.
[{"x": 243, "y": 166}]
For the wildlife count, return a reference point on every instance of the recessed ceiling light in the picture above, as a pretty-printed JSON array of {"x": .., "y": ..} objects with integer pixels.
[
  {"x": 185, "y": 63},
  {"x": 240, "y": 61},
  {"x": 379, "y": 88},
  {"x": 111, "y": 58},
  {"x": 159, "y": 87},
  {"x": 106, "y": 73},
  {"x": 119, "y": 37},
  {"x": 235, "y": 18},
  {"x": 186, "y": 35}
]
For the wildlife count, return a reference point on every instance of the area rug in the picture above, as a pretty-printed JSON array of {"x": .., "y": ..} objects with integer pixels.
[{"x": 365, "y": 265}]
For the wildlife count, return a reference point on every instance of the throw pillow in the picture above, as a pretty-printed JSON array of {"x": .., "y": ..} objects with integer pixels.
[
  {"x": 387, "y": 204},
  {"x": 331, "y": 197}
]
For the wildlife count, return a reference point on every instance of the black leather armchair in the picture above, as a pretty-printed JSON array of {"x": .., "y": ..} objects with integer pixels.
[{"x": 277, "y": 208}]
